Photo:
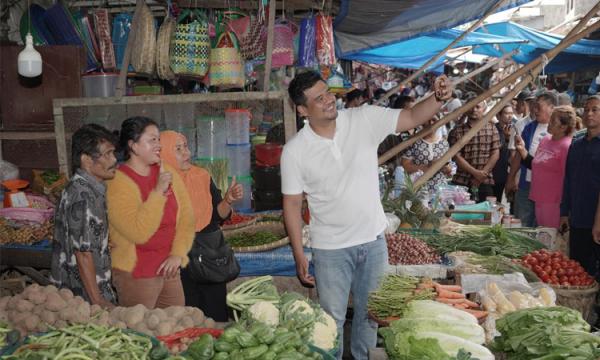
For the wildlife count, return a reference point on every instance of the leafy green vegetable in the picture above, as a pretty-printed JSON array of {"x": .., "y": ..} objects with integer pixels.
[
  {"x": 252, "y": 239},
  {"x": 202, "y": 348}
]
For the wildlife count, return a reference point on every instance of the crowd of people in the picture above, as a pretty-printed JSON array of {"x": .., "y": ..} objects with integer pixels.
[{"x": 137, "y": 217}]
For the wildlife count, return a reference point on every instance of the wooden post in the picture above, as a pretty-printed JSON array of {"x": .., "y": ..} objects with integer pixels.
[
  {"x": 269, "y": 51},
  {"x": 61, "y": 141},
  {"x": 423, "y": 68},
  {"x": 550, "y": 54},
  {"x": 289, "y": 117},
  {"x": 122, "y": 80}
]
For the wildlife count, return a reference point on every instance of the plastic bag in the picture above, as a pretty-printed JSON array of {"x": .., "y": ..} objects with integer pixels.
[
  {"x": 307, "y": 56},
  {"x": 324, "y": 40},
  {"x": 8, "y": 171},
  {"x": 393, "y": 222},
  {"x": 107, "y": 53},
  {"x": 120, "y": 34}
]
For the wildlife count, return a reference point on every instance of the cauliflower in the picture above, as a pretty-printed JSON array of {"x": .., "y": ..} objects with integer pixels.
[
  {"x": 324, "y": 332},
  {"x": 301, "y": 307},
  {"x": 264, "y": 312}
]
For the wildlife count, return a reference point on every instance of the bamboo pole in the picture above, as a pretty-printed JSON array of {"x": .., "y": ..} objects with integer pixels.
[
  {"x": 550, "y": 54},
  {"x": 423, "y": 68},
  {"x": 484, "y": 67},
  {"x": 533, "y": 69},
  {"x": 269, "y": 50}
]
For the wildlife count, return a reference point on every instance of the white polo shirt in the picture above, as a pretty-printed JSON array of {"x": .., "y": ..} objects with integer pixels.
[{"x": 340, "y": 177}]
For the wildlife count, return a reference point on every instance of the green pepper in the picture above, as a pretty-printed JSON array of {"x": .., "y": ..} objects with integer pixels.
[
  {"x": 285, "y": 338},
  {"x": 281, "y": 331},
  {"x": 266, "y": 335},
  {"x": 269, "y": 355},
  {"x": 230, "y": 333},
  {"x": 159, "y": 352},
  {"x": 257, "y": 327},
  {"x": 304, "y": 349},
  {"x": 246, "y": 340},
  {"x": 236, "y": 355},
  {"x": 254, "y": 352},
  {"x": 221, "y": 356},
  {"x": 277, "y": 347},
  {"x": 202, "y": 348},
  {"x": 291, "y": 355},
  {"x": 223, "y": 346},
  {"x": 317, "y": 356}
]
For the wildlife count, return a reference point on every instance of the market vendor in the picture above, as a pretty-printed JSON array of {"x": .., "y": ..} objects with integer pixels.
[
  {"x": 333, "y": 160},
  {"x": 80, "y": 255},
  {"x": 204, "y": 280},
  {"x": 151, "y": 221},
  {"x": 581, "y": 191}
]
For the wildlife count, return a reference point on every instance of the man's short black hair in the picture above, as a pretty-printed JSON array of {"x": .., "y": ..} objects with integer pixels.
[
  {"x": 300, "y": 83},
  {"x": 401, "y": 101},
  {"x": 354, "y": 94},
  {"x": 549, "y": 97},
  {"x": 86, "y": 140}
]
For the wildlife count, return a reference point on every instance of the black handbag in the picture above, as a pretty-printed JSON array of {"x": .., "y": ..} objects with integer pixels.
[{"x": 212, "y": 260}]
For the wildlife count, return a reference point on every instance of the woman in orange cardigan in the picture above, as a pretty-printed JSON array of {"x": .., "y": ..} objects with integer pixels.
[
  {"x": 210, "y": 210},
  {"x": 151, "y": 221}
]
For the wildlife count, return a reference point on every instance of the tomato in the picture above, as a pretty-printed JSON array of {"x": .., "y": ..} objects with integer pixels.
[
  {"x": 561, "y": 271},
  {"x": 538, "y": 270},
  {"x": 547, "y": 269},
  {"x": 565, "y": 283},
  {"x": 533, "y": 261},
  {"x": 569, "y": 271}
]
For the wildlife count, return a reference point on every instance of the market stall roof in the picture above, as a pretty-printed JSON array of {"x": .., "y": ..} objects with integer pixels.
[
  {"x": 367, "y": 24},
  {"x": 415, "y": 52},
  {"x": 581, "y": 55}
]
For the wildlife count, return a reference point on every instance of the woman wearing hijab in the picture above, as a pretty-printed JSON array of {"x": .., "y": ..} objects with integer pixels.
[{"x": 210, "y": 210}]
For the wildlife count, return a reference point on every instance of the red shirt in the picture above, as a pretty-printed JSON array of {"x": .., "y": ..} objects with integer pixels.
[{"x": 151, "y": 254}]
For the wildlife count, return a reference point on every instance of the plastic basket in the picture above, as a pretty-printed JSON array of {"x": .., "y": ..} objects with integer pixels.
[{"x": 578, "y": 298}]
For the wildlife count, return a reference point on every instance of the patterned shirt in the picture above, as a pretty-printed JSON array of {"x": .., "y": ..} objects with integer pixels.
[
  {"x": 424, "y": 153},
  {"x": 476, "y": 152},
  {"x": 81, "y": 225}
]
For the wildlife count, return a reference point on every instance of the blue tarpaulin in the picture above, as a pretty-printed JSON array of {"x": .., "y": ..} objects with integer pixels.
[
  {"x": 581, "y": 55},
  {"x": 415, "y": 52}
]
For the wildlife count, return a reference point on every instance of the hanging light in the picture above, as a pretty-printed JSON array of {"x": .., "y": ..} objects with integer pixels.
[{"x": 29, "y": 60}]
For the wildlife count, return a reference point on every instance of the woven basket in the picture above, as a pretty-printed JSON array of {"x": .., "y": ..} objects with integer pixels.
[
  {"x": 190, "y": 46},
  {"x": 274, "y": 227},
  {"x": 163, "y": 65},
  {"x": 239, "y": 225},
  {"x": 226, "y": 65},
  {"x": 578, "y": 298},
  {"x": 143, "y": 53}
]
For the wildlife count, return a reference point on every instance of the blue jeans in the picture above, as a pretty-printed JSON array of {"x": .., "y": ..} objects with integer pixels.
[
  {"x": 525, "y": 208},
  {"x": 356, "y": 269}
]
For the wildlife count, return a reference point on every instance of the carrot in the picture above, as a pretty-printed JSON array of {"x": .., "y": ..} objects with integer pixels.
[
  {"x": 479, "y": 314},
  {"x": 425, "y": 286},
  {"x": 449, "y": 294},
  {"x": 455, "y": 288},
  {"x": 468, "y": 303}
]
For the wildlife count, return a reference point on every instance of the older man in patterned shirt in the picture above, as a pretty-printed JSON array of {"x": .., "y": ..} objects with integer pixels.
[
  {"x": 477, "y": 158},
  {"x": 80, "y": 257}
]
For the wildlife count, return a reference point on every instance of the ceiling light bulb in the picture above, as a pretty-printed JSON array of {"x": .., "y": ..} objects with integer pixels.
[
  {"x": 29, "y": 60},
  {"x": 455, "y": 71}
]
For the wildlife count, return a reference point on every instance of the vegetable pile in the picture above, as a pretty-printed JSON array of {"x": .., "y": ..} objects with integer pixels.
[
  {"x": 88, "y": 342},
  {"x": 452, "y": 295},
  {"x": 252, "y": 239},
  {"x": 494, "y": 300},
  {"x": 430, "y": 330},
  {"x": 557, "y": 269},
  {"x": 256, "y": 341},
  {"x": 259, "y": 302},
  {"x": 471, "y": 263},
  {"x": 38, "y": 309},
  {"x": 484, "y": 240},
  {"x": 8, "y": 336},
  {"x": 237, "y": 219},
  {"x": 407, "y": 250},
  {"x": 393, "y": 295},
  {"x": 546, "y": 333}
]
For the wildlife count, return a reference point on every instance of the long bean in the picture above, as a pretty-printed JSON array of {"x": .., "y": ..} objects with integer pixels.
[
  {"x": 84, "y": 342},
  {"x": 394, "y": 293}
]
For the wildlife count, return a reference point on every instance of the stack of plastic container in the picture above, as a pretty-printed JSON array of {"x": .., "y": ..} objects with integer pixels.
[
  {"x": 238, "y": 152},
  {"x": 267, "y": 177}
]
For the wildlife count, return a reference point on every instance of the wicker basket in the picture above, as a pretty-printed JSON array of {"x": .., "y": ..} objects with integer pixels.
[
  {"x": 163, "y": 60},
  {"x": 578, "y": 298},
  {"x": 143, "y": 53},
  {"x": 275, "y": 227},
  {"x": 239, "y": 225}
]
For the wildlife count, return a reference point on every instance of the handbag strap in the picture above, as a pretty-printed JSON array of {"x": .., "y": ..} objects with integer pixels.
[
  {"x": 191, "y": 14},
  {"x": 232, "y": 39}
]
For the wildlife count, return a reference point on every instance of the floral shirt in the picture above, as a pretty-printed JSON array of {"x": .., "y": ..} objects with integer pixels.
[
  {"x": 81, "y": 225},
  {"x": 424, "y": 153}
]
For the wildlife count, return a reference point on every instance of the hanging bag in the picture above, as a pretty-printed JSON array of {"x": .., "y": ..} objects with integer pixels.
[
  {"x": 163, "y": 60},
  {"x": 190, "y": 44},
  {"x": 325, "y": 44},
  {"x": 307, "y": 56},
  {"x": 143, "y": 54},
  {"x": 226, "y": 65},
  {"x": 212, "y": 260},
  {"x": 252, "y": 44},
  {"x": 283, "y": 43}
]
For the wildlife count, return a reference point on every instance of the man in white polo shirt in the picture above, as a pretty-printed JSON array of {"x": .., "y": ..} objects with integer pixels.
[{"x": 333, "y": 160}]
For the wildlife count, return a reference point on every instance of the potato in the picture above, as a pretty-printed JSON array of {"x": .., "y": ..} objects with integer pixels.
[
  {"x": 31, "y": 322},
  {"x": 95, "y": 309},
  {"x": 121, "y": 325},
  {"x": 152, "y": 321},
  {"x": 164, "y": 329},
  {"x": 198, "y": 318},
  {"x": 38, "y": 310},
  {"x": 186, "y": 322},
  {"x": 133, "y": 315},
  {"x": 141, "y": 327},
  {"x": 175, "y": 312},
  {"x": 209, "y": 323},
  {"x": 54, "y": 302},
  {"x": 83, "y": 313},
  {"x": 103, "y": 320},
  {"x": 66, "y": 294},
  {"x": 116, "y": 313},
  {"x": 31, "y": 289},
  {"x": 4, "y": 302},
  {"x": 60, "y": 324},
  {"x": 12, "y": 302},
  {"x": 24, "y": 306},
  {"x": 162, "y": 315},
  {"x": 68, "y": 314},
  {"x": 3, "y": 316},
  {"x": 38, "y": 297},
  {"x": 42, "y": 327},
  {"x": 49, "y": 289},
  {"x": 48, "y": 317},
  {"x": 178, "y": 328}
]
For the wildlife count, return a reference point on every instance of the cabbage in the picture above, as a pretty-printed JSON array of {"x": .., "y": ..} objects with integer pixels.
[
  {"x": 471, "y": 332},
  {"x": 434, "y": 309},
  {"x": 452, "y": 344}
]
